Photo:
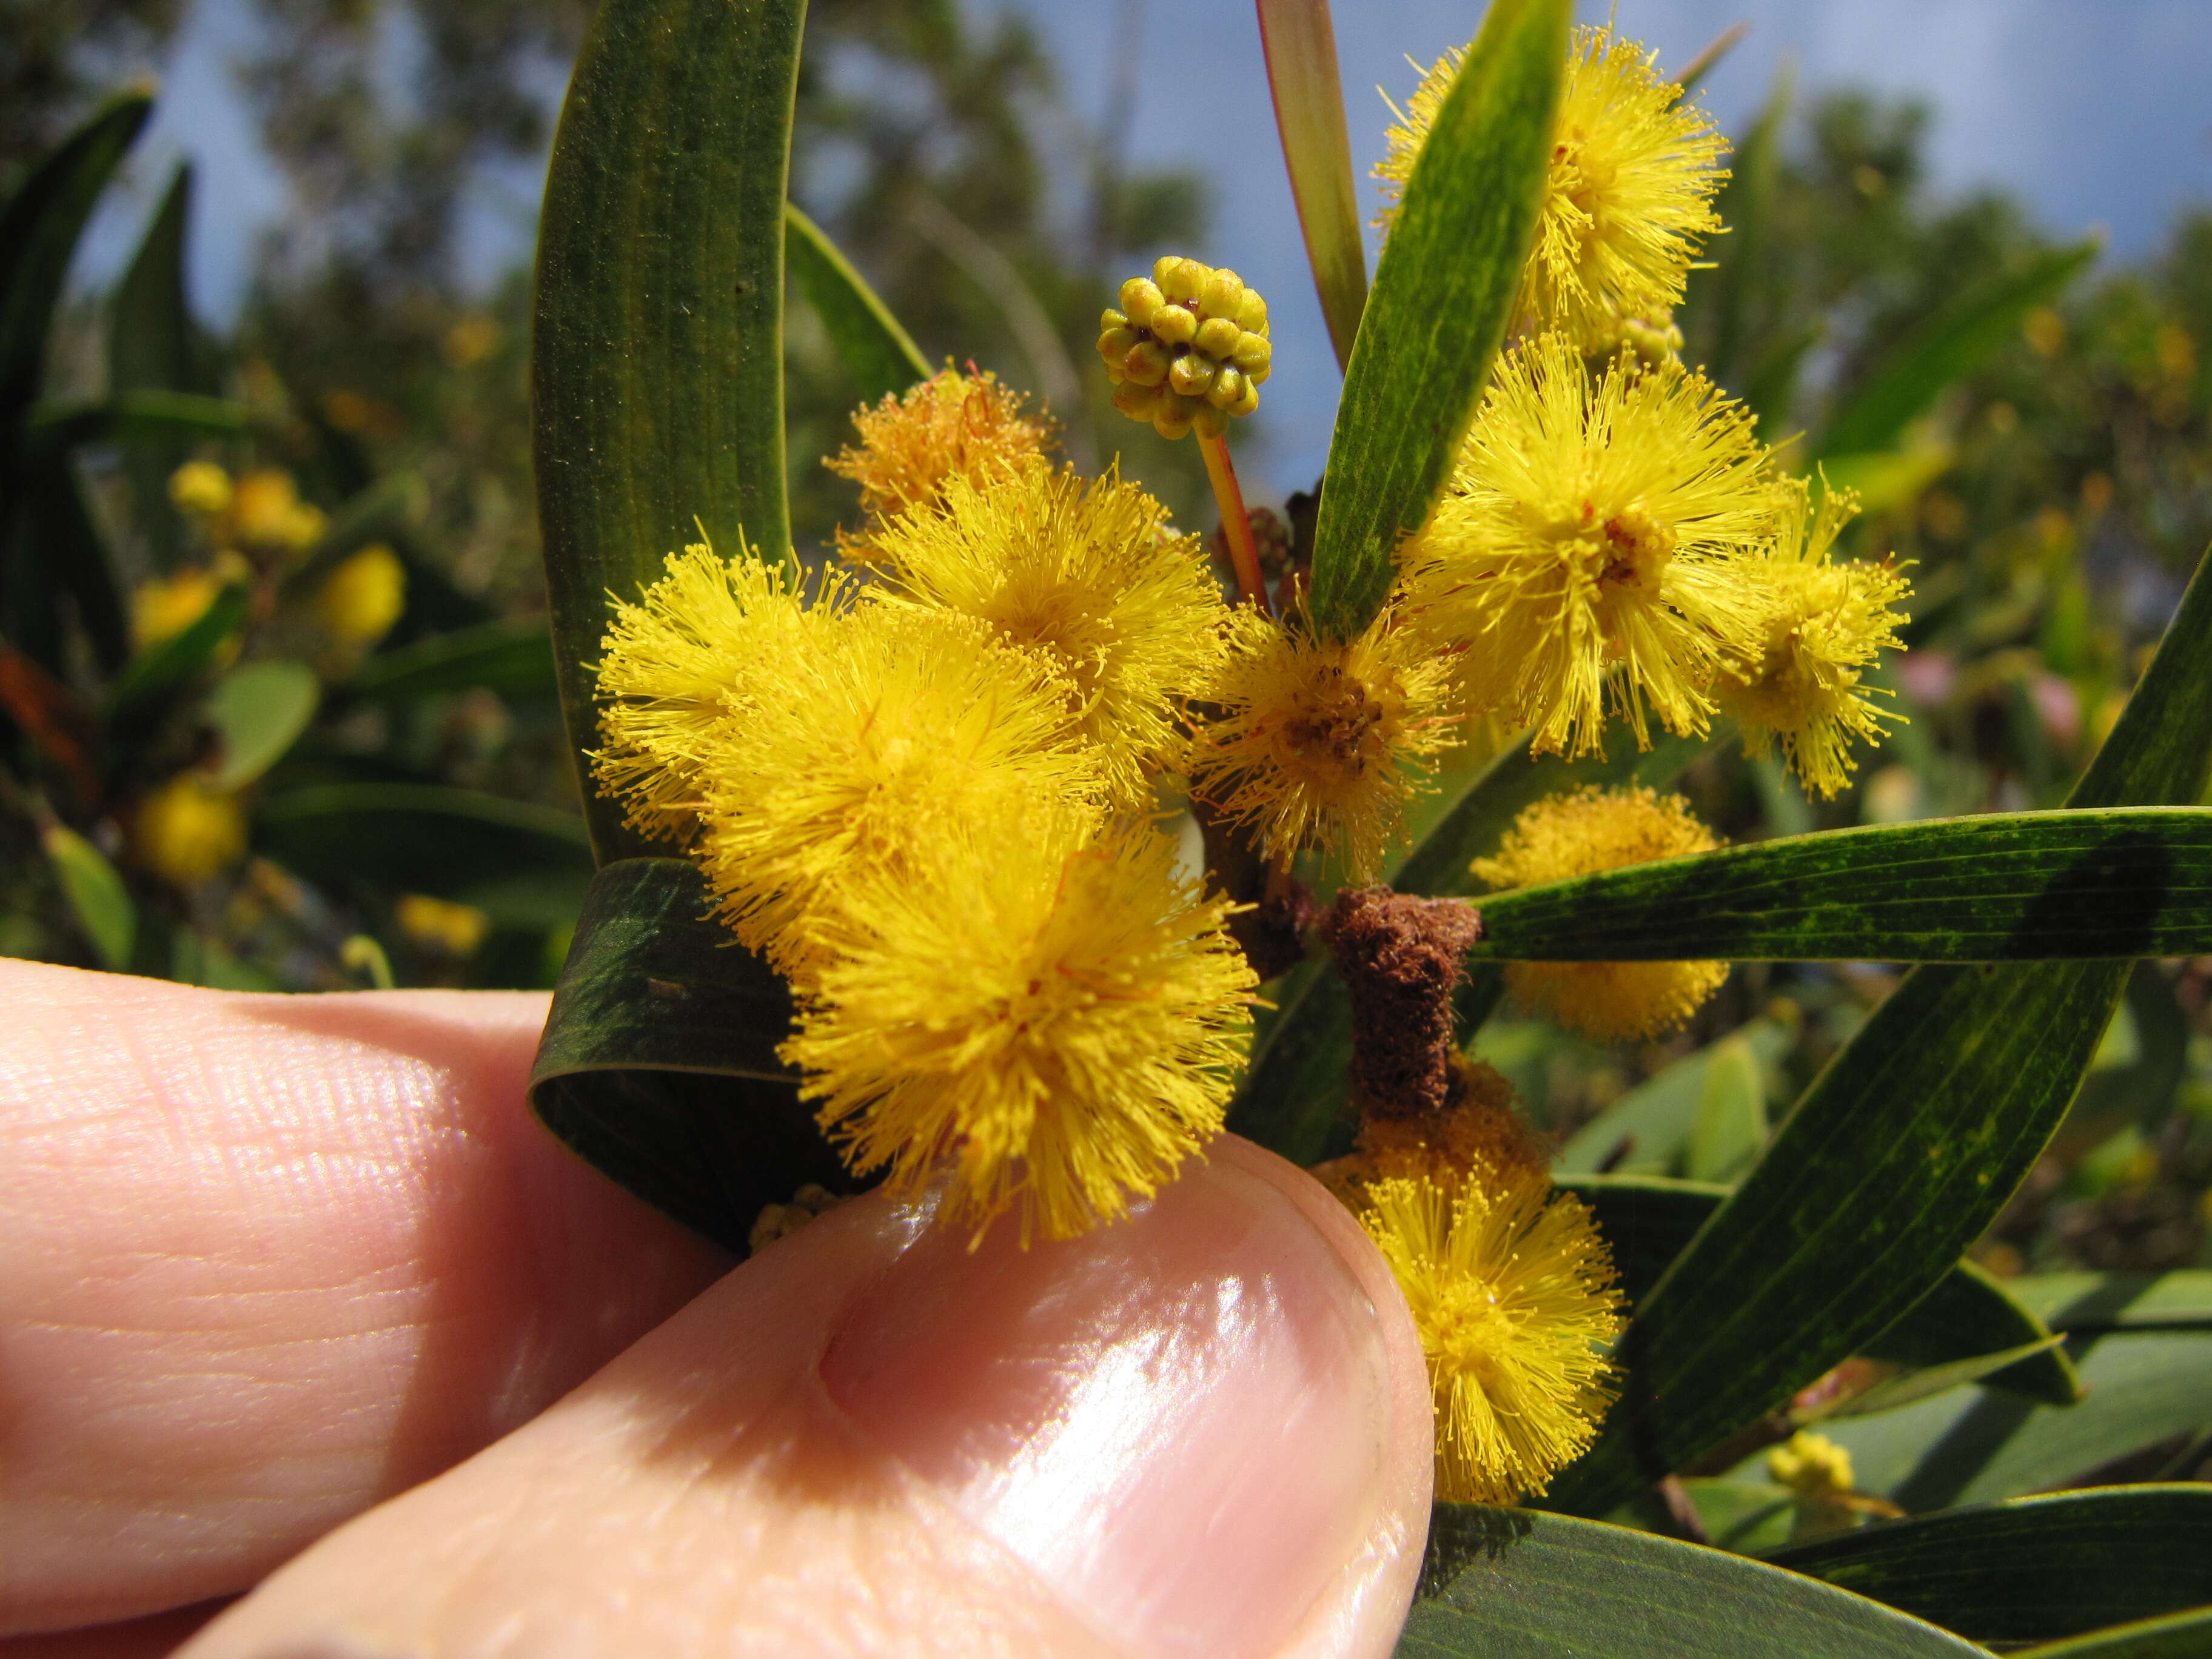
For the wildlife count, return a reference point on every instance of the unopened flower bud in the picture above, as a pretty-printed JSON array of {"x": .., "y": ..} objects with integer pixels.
[{"x": 1186, "y": 348}]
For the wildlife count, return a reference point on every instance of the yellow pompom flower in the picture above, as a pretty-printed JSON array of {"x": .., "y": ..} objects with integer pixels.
[
  {"x": 360, "y": 600},
  {"x": 165, "y": 607},
  {"x": 695, "y": 645},
  {"x": 862, "y": 741},
  {"x": 1580, "y": 834},
  {"x": 1511, "y": 1288},
  {"x": 185, "y": 831},
  {"x": 1626, "y": 199},
  {"x": 266, "y": 511},
  {"x": 1090, "y": 578},
  {"x": 951, "y": 425},
  {"x": 1056, "y": 1020},
  {"x": 201, "y": 489},
  {"x": 1825, "y": 622},
  {"x": 1321, "y": 745},
  {"x": 442, "y": 926},
  {"x": 1812, "y": 1465},
  {"x": 1588, "y": 548}
]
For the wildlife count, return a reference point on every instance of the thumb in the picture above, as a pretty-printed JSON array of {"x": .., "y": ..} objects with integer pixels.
[{"x": 1203, "y": 1431}]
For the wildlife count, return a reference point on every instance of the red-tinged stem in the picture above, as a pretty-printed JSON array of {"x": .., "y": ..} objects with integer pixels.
[{"x": 1235, "y": 523}]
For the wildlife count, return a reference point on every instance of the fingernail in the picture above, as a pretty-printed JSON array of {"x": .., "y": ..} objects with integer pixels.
[{"x": 1179, "y": 1422}]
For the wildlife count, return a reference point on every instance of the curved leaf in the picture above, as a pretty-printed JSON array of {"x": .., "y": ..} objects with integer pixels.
[
  {"x": 676, "y": 1092},
  {"x": 657, "y": 363},
  {"x": 1444, "y": 294},
  {"x": 1902, "y": 1150},
  {"x": 2090, "y": 1303},
  {"x": 96, "y": 895},
  {"x": 1292, "y": 1101},
  {"x": 2184, "y": 1636},
  {"x": 1300, "y": 44},
  {"x": 1647, "y": 1131},
  {"x": 153, "y": 349},
  {"x": 258, "y": 711},
  {"x": 881, "y": 355},
  {"x": 2033, "y": 1568},
  {"x": 1648, "y": 1222},
  {"x": 2014, "y": 887},
  {"x": 1510, "y": 1581}
]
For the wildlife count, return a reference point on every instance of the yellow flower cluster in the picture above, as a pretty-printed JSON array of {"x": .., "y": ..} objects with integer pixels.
[
  {"x": 1627, "y": 197},
  {"x": 923, "y": 802},
  {"x": 967, "y": 427},
  {"x": 1580, "y": 834},
  {"x": 1513, "y": 1292},
  {"x": 1188, "y": 348}
]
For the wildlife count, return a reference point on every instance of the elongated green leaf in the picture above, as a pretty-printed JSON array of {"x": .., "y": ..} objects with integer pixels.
[
  {"x": 417, "y": 837},
  {"x": 2027, "y": 886},
  {"x": 1896, "y": 1393},
  {"x": 1444, "y": 294},
  {"x": 2142, "y": 1389},
  {"x": 258, "y": 711},
  {"x": 1300, "y": 44},
  {"x": 2088, "y": 1303},
  {"x": 676, "y": 1093},
  {"x": 39, "y": 232},
  {"x": 2182, "y": 1636},
  {"x": 1745, "y": 1515},
  {"x": 1648, "y": 1222},
  {"x": 2033, "y": 1568},
  {"x": 141, "y": 416},
  {"x": 96, "y": 895},
  {"x": 657, "y": 364},
  {"x": 879, "y": 355},
  {"x": 58, "y": 531},
  {"x": 154, "y": 350},
  {"x": 1948, "y": 346},
  {"x": 1294, "y": 1097},
  {"x": 511, "y": 656},
  {"x": 1902, "y": 1150},
  {"x": 2140, "y": 1091},
  {"x": 1508, "y": 1582}
]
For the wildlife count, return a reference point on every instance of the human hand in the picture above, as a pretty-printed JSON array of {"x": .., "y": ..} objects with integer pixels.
[{"x": 278, "y": 1270}]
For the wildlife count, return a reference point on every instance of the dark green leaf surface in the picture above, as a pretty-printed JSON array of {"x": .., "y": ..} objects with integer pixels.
[
  {"x": 659, "y": 1061},
  {"x": 881, "y": 355},
  {"x": 1513, "y": 1584},
  {"x": 1442, "y": 296},
  {"x": 148, "y": 678},
  {"x": 140, "y": 417},
  {"x": 96, "y": 895},
  {"x": 657, "y": 364},
  {"x": 1293, "y": 1101},
  {"x": 1745, "y": 1516},
  {"x": 153, "y": 348},
  {"x": 39, "y": 232},
  {"x": 257, "y": 711},
  {"x": 2182, "y": 1636},
  {"x": 1949, "y": 345},
  {"x": 2009, "y": 887},
  {"x": 1973, "y": 1445},
  {"x": 2031, "y": 1569},
  {"x": 1648, "y": 1222},
  {"x": 1902, "y": 1150},
  {"x": 1300, "y": 44},
  {"x": 513, "y": 656}
]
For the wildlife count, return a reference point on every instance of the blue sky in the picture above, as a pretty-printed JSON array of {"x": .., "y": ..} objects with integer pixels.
[{"x": 2092, "y": 110}]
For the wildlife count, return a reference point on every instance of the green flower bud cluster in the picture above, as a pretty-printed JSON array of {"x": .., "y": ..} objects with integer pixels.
[{"x": 1188, "y": 348}]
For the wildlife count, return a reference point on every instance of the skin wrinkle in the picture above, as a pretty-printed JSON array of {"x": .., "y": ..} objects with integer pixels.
[{"x": 269, "y": 1259}]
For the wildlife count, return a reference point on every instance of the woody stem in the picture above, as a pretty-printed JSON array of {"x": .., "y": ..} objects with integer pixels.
[{"x": 1235, "y": 525}]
